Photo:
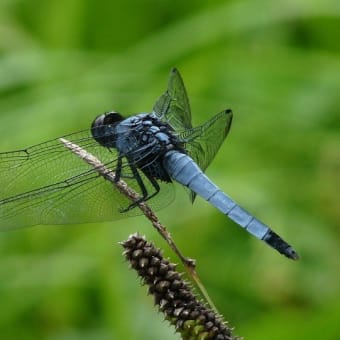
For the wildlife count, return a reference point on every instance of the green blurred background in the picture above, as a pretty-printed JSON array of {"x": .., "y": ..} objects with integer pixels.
[{"x": 276, "y": 64}]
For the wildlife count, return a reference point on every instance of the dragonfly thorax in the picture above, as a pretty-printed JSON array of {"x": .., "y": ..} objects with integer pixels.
[
  {"x": 144, "y": 139},
  {"x": 144, "y": 131}
]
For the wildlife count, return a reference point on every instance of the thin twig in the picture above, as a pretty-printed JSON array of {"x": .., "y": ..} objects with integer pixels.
[{"x": 122, "y": 186}]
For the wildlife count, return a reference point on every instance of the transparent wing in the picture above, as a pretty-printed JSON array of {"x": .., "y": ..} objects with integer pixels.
[
  {"x": 173, "y": 105},
  {"x": 48, "y": 184},
  {"x": 203, "y": 142}
]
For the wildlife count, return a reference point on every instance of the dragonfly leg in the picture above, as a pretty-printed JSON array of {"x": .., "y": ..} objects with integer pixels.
[
  {"x": 118, "y": 170},
  {"x": 155, "y": 185},
  {"x": 144, "y": 192},
  {"x": 145, "y": 196}
]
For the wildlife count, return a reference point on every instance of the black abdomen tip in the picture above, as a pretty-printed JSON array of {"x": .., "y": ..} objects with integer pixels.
[
  {"x": 280, "y": 245},
  {"x": 291, "y": 253}
]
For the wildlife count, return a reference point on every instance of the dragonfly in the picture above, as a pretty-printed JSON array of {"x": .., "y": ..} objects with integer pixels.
[{"x": 46, "y": 184}]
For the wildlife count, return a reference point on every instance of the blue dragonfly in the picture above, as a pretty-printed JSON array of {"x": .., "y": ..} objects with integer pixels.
[{"x": 47, "y": 184}]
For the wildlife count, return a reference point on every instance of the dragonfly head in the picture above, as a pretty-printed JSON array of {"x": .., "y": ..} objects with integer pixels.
[{"x": 103, "y": 128}]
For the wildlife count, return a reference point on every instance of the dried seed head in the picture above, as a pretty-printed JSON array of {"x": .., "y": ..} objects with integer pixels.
[{"x": 174, "y": 297}]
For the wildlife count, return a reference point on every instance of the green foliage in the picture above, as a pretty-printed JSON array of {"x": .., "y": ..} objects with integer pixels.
[{"x": 276, "y": 64}]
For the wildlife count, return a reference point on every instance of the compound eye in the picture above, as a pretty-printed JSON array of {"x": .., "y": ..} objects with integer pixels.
[
  {"x": 112, "y": 118},
  {"x": 108, "y": 118},
  {"x": 103, "y": 128}
]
